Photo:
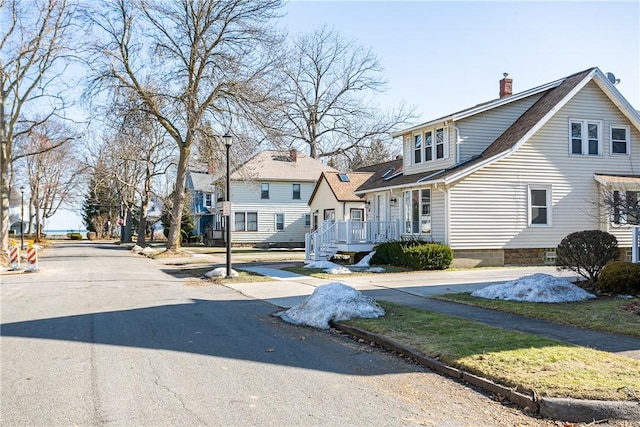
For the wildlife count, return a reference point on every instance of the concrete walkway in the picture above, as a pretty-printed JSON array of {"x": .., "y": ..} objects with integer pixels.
[{"x": 414, "y": 289}]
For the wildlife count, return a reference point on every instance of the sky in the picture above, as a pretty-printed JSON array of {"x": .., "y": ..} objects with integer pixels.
[{"x": 442, "y": 57}]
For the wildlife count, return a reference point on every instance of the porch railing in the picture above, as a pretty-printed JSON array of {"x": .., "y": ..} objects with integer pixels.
[{"x": 333, "y": 233}]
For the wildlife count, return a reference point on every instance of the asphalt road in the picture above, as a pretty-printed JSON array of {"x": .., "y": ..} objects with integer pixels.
[{"x": 100, "y": 336}]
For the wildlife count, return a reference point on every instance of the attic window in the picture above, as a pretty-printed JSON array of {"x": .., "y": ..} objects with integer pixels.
[
  {"x": 388, "y": 172},
  {"x": 343, "y": 177}
]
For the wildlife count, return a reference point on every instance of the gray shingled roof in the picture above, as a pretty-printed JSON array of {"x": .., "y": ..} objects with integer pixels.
[
  {"x": 278, "y": 166},
  {"x": 505, "y": 142},
  {"x": 202, "y": 181}
]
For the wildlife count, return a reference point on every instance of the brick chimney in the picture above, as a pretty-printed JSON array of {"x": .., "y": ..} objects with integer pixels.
[
  {"x": 505, "y": 86},
  {"x": 293, "y": 154},
  {"x": 211, "y": 167}
]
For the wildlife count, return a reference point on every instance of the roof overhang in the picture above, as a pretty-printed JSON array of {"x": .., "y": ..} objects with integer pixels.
[{"x": 627, "y": 182}]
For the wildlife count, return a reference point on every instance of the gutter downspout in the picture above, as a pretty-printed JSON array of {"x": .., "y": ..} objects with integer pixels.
[{"x": 446, "y": 213}]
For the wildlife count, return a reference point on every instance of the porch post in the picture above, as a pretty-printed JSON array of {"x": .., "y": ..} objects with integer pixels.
[
  {"x": 348, "y": 231},
  {"x": 635, "y": 242}
]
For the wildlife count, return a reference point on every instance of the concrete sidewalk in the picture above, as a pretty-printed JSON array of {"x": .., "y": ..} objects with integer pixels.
[{"x": 414, "y": 289}]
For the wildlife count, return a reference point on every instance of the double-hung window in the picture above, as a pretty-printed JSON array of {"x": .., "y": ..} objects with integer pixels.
[
  {"x": 428, "y": 146},
  {"x": 207, "y": 200},
  {"x": 417, "y": 211},
  {"x": 417, "y": 149},
  {"x": 539, "y": 205},
  {"x": 626, "y": 207},
  {"x": 585, "y": 137},
  {"x": 279, "y": 221},
  {"x": 440, "y": 141},
  {"x": 264, "y": 190},
  {"x": 619, "y": 140},
  {"x": 296, "y": 191},
  {"x": 246, "y": 221}
]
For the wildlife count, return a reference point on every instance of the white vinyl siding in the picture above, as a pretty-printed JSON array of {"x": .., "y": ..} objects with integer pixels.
[
  {"x": 489, "y": 209},
  {"x": 479, "y": 131}
]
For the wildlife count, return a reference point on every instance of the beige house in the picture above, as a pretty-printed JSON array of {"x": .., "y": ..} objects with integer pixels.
[
  {"x": 505, "y": 181},
  {"x": 334, "y": 198}
]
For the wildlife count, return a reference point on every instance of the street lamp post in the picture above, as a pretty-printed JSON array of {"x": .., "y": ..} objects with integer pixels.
[
  {"x": 22, "y": 218},
  {"x": 228, "y": 139}
]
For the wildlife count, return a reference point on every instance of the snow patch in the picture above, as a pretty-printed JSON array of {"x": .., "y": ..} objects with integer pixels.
[
  {"x": 331, "y": 302},
  {"x": 538, "y": 287},
  {"x": 136, "y": 249},
  {"x": 364, "y": 262},
  {"x": 333, "y": 268},
  {"x": 220, "y": 272}
]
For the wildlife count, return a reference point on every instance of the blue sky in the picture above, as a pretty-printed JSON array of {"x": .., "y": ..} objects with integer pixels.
[
  {"x": 442, "y": 57},
  {"x": 445, "y": 56}
]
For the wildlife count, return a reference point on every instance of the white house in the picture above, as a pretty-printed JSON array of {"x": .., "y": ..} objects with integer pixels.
[
  {"x": 269, "y": 200},
  {"x": 503, "y": 182}
]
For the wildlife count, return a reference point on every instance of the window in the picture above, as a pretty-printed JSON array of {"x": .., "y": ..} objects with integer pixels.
[
  {"x": 626, "y": 207},
  {"x": 620, "y": 140},
  {"x": 539, "y": 206},
  {"x": 264, "y": 190},
  {"x": 279, "y": 221},
  {"x": 246, "y": 221},
  {"x": 296, "y": 191},
  {"x": 428, "y": 146},
  {"x": 207, "y": 200},
  {"x": 356, "y": 214},
  {"x": 585, "y": 137},
  {"x": 440, "y": 139},
  {"x": 417, "y": 211},
  {"x": 307, "y": 220},
  {"x": 343, "y": 177},
  {"x": 417, "y": 149}
]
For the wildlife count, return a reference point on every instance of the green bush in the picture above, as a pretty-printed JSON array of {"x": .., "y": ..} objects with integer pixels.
[
  {"x": 620, "y": 277},
  {"x": 414, "y": 254},
  {"x": 587, "y": 252},
  {"x": 74, "y": 236}
]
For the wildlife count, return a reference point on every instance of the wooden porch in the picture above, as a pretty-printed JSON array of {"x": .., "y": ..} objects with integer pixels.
[{"x": 334, "y": 237}]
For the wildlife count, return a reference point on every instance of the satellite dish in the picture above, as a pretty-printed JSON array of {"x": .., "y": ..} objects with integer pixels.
[{"x": 612, "y": 78}]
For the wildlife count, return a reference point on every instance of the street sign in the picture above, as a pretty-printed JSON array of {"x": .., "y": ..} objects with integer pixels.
[{"x": 226, "y": 208}]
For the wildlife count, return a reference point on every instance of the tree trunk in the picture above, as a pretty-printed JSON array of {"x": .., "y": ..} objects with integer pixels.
[
  {"x": 142, "y": 223},
  {"x": 173, "y": 240}
]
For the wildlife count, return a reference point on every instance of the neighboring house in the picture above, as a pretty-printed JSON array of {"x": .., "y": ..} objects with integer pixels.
[
  {"x": 269, "y": 200},
  {"x": 333, "y": 197},
  {"x": 204, "y": 194},
  {"x": 505, "y": 181}
]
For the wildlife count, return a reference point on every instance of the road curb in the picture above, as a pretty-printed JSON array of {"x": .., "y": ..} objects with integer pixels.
[{"x": 562, "y": 409}]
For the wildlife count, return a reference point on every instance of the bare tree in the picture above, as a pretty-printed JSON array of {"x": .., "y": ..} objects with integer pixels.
[
  {"x": 622, "y": 204},
  {"x": 327, "y": 100},
  {"x": 54, "y": 174},
  {"x": 33, "y": 42},
  {"x": 187, "y": 63}
]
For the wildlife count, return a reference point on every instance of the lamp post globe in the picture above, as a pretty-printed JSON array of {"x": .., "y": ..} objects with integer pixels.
[{"x": 228, "y": 139}]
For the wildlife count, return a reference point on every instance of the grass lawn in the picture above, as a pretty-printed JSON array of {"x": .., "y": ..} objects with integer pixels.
[
  {"x": 607, "y": 314},
  {"x": 243, "y": 276},
  {"x": 523, "y": 361}
]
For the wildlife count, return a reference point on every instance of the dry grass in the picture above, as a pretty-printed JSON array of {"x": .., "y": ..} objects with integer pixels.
[
  {"x": 524, "y": 361},
  {"x": 606, "y": 314}
]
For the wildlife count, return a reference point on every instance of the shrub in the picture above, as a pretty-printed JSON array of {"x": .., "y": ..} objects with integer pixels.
[
  {"x": 587, "y": 252},
  {"x": 620, "y": 277},
  {"x": 414, "y": 254},
  {"x": 74, "y": 236}
]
